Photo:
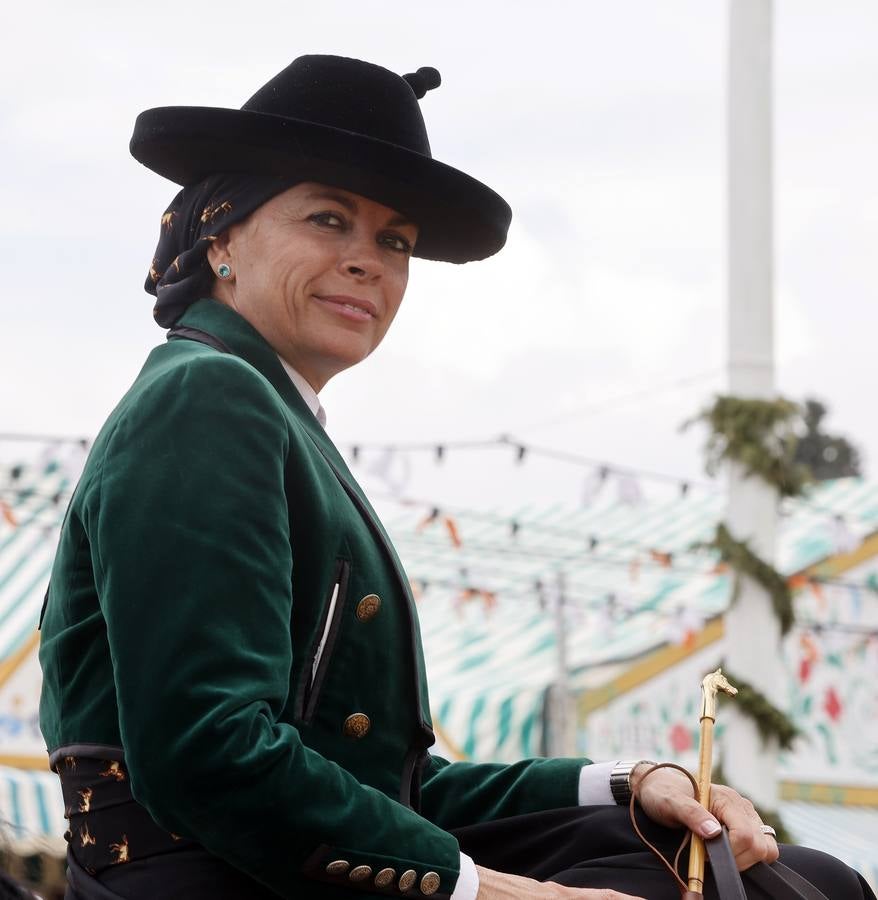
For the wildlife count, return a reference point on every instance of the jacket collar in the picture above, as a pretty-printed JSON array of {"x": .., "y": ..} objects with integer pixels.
[{"x": 247, "y": 343}]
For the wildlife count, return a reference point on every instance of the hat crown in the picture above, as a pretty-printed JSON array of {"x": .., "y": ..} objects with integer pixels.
[{"x": 348, "y": 94}]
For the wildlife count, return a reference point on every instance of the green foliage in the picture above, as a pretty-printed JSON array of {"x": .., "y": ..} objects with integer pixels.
[
  {"x": 770, "y": 721},
  {"x": 826, "y": 456},
  {"x": 760, "y": 435},
  {"x": 743, "y": 561}
]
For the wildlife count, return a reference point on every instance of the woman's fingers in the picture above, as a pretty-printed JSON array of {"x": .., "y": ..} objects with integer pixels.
[
  {"x": 689, "y": 812},
  {"x": 749, "y": 844},
  {"x": 666, "y": 797}
]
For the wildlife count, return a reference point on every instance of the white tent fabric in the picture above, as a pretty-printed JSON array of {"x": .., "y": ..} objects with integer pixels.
[
  {"x": 32, "y": 811},
  {"x": 34, "y": 499},
  {"x": 491, "y": 656},
  {"x": 849, "y": 833}
]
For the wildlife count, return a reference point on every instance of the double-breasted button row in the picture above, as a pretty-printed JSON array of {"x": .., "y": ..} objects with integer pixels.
[
  {"x": 357, "y": 725},
  {"x": 429, "y": 882}
]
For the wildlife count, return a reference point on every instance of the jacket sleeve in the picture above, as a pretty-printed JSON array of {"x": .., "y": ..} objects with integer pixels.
[
  {"x": 192, "y": 557},
  {"x": 454, "y": 794}
]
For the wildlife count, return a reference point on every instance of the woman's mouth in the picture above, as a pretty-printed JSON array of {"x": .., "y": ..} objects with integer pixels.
[{"x": 355, "y": 309}]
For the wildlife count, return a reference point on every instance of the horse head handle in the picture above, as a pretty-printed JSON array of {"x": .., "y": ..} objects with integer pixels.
[{"x": 710, "y": 686}]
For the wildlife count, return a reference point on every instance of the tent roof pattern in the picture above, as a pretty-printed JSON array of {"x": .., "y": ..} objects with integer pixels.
[
  {"x": 490, "y": 659},
  {"x": 34, "y": 499},
  {"x": 490, "y": 665},
  {"x": 33, "y": 811},
  {"x": 490, "y": 662},
  {"x": 848, "y": 833}
]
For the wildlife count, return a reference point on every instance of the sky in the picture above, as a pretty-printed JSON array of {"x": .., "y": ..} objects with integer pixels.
[{"x": 597, "y": 330}]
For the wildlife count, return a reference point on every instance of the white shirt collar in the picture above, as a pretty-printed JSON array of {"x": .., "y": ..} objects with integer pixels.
[{"x": 309, "y": 395}]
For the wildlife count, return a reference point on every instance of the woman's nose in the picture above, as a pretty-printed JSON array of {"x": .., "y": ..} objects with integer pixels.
[{"x": 363, "y": 258}]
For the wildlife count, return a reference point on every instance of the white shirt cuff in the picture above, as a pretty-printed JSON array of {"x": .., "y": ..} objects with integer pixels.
[
  {"x": 468, "y": 883},
  {"x": 594, "y": 784}
]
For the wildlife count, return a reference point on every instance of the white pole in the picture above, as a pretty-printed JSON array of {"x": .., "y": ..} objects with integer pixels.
[
  {"x": 560, "y": 728},
  {"x": 752, "y": 632}
]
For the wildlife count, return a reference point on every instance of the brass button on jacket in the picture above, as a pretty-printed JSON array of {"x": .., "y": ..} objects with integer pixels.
[
  {"x": 407, "y": 879},
  {"x": 338, "y": 867},
  {"x": 357, "y": 725},
  {"x": 368, "y": 607},
  {"x": 360, "y": 873},
  {"x": 385, "y": 877},
  {"x": 430, "y": 883}
]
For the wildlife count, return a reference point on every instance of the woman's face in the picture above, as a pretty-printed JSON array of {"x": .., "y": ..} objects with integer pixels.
[{"x": 320, "y": 272}]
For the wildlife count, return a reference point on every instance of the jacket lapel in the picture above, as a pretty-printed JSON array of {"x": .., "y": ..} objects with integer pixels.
[{"x": 243, "y": 340}]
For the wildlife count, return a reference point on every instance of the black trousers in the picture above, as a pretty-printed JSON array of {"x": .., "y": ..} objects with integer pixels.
[
  {"x": 596, "y": 847},
  {"x": 591, "y": 847}
]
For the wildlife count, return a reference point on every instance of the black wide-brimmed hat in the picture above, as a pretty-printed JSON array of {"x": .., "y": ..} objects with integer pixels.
[{"x": 338, "y": 121}]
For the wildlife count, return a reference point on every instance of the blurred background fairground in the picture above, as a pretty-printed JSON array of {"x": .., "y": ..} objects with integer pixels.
[{"x": 695, "y": 203}]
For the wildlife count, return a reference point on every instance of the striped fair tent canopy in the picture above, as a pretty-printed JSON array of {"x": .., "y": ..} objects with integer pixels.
[
  {"x": 32, "y": 812},
  {"x": 33, "y": 499},
  {"x": 849, "y": 833},
  {"x": 486, "y": 583}
]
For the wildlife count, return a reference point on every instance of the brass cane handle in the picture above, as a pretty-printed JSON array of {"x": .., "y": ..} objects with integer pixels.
[{"x": 711, "y": 685}]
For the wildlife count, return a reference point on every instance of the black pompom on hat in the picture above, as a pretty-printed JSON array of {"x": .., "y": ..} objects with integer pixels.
[{"x": 425, "y": 79}]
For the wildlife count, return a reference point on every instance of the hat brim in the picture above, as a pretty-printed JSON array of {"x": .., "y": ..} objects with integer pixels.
[{"x": 459, "y": 218}]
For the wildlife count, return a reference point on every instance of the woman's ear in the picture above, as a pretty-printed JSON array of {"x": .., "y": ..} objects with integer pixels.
[
  {"x": 218, "y": 251},
  {"x": 219, "y": 258}
]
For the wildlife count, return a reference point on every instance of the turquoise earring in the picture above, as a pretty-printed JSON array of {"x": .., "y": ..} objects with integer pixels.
[{"x": 223, "y": 271}]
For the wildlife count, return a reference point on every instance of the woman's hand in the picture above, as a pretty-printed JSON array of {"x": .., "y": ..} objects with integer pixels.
[
  {"x": 500, "y": 886},
  {"x": 667, "y": 798}
]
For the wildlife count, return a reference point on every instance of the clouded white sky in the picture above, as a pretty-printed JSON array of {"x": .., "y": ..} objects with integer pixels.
[{"x": 603, "y": 126}]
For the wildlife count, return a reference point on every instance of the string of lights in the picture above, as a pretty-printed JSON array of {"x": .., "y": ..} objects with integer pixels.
[
  {"x": 601, "y": 470},
  {"x": 23, "y": 437},
  {"x": 590, "y": 550}
]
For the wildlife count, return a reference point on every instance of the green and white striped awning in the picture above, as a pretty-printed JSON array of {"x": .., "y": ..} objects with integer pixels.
[
  {"x": 34, "y": 499},
  {"x": 847, "y": 832},
  {"x": 491, "y": 656},
  {"x": 32, "y": 810}
]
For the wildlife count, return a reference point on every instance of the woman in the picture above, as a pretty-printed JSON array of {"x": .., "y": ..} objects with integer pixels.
[{"x": 234, "y": 692}]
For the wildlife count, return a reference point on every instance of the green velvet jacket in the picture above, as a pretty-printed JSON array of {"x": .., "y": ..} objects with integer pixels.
[{"x": 227, "y": 609}]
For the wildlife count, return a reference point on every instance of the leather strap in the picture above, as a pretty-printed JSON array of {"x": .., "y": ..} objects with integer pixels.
[
  {"x": 780, "y": 882},
  {"x": 724, "y": 868}
]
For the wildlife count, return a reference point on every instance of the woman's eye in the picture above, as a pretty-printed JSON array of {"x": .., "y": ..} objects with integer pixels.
[
  {"x": 397, "y": 242},
  {"x": 328, "y": 218}
]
